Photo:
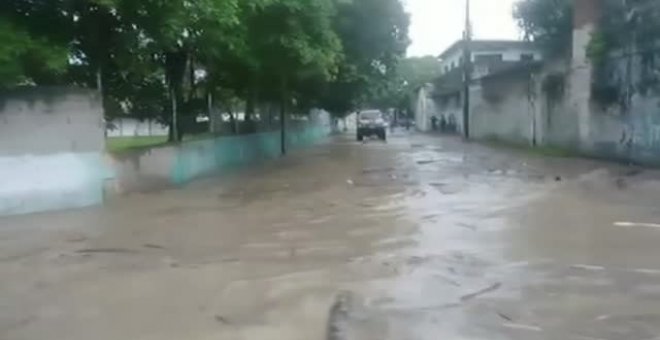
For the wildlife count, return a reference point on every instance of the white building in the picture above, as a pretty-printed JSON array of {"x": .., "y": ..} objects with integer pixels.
[
  {"x": 425, "y": 107},
  {"x": 489, "y": 53},
  {"x": 444, "y": 98}
]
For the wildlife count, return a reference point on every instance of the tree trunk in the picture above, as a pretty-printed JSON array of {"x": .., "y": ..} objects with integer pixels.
[
  {"x": 99, "y": 81},
  {"x": 249, "y": 105},
  {"x": 174, "y": 124},
  {"x": 209, "y": 102},
  {"x": 193, "y": 84},
  {"x": 99, "y": 87},
  {"x": 271, "y": 115},
  {"x": 175, "y": 68},
  {"x": 232, "y": 120},
  {"x": 283, "y": 108}
]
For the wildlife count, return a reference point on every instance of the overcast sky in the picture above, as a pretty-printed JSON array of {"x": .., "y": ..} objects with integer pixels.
[{"x": 436, "y": 24}]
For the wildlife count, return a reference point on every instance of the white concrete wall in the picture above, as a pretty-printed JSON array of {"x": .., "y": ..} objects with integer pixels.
[
  {"x": 517, "y": 109},
  {"x": 425, "y": 107},
  {"x": 504, "y": 109},
  {"x": 34, "y": 183},
  {"x": 41, "y": 121},
  {"x": 558, "y": 124},
  {"x": 349, "y": 122},
  {"x": 580, "y": 78},
  {"x": 574, "y": 119},
  {"x": 51, "y": 145}
]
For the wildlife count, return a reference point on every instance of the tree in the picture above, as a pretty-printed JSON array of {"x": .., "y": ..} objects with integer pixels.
[
  {"x": 164, "y": 58},
  {"x": 417, "y": 71},
  {"x": 549, "y": 23},
  {"x": 396, "y": 92},
  {"x": 176, "y": 36},
  {"x": 628, "y": 33},
  {"x": 374, "y": 36},
  {"x": 30, "y": 53},
  {"x": 624, "y": 51},
  {"x": 289, "y": 42}
]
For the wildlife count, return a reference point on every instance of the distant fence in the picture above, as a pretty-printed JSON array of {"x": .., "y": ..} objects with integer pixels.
[
  {"x": 132, "y": 127},
  {"x": 144, "y": 170}
]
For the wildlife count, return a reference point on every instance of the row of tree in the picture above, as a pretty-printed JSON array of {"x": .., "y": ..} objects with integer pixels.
[
  {"x": 624, "y": 49},
  {"x": 623, "y": 24},
  {"x": 166, "y": 58}
]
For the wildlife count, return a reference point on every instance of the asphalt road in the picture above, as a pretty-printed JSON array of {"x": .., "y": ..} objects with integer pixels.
[{"x": 420, "y": 238}]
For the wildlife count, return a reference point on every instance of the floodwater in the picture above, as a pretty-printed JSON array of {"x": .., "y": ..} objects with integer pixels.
[{"x": 420, "y": 238}]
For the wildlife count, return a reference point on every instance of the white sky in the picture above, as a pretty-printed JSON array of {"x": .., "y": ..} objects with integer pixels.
[{"x": 436, "y": 24}]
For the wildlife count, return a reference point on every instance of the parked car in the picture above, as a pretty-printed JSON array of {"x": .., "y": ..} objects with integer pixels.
[{"x": 371, "y": 123}]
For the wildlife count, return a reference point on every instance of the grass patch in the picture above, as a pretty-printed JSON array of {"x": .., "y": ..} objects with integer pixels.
[
  {"x": 123, "y": 144},
  {"x": 119, "y": 144}
]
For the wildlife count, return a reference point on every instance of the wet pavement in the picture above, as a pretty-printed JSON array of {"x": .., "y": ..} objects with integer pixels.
[{"x": 420, "y": 238}]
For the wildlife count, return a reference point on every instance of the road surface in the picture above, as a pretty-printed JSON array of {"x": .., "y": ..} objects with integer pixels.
[{"x": 420, "y": 238}]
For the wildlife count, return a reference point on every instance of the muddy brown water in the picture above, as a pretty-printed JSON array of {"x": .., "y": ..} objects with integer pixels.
[{"x": 420, "y": 238}]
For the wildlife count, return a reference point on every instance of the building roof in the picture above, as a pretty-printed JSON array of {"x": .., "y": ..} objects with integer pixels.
[
  {"x": 452, "y": 82},
  {"x": 486, "y": 45}
]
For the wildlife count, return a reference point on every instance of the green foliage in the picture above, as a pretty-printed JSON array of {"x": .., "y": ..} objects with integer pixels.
[
  {"x": 293, "y": 38},
  {"x": 598, "y": 49},
  {"x": 417, "y": 71},
  {"x": 152, "y": 58},
  {"x": 396, "y": 92},
  {"x": 123, "y": 144},
  {"x": 630, "y": 31},
  {"x": 24, "y": 58},
  {"x": 632, "y": 22},
  {"x": 546, "y": 22},
  {"x": 374, "y": 36}
]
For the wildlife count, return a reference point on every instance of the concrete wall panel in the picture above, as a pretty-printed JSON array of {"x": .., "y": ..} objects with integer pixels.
[
  {"x": 501, "y": 109},
  {"x": 43, "y": 121},
  {"x": 51, "y": 144},
  {"x": 50, "y": 182}
]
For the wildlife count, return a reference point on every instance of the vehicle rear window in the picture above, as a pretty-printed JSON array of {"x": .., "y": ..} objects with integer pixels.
[{"x": 370, "y": 115}]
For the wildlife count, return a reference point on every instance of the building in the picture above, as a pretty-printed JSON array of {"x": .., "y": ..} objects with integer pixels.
[
  {"x": 424, "y": 107},
  {"x": 488, "y": 57}
]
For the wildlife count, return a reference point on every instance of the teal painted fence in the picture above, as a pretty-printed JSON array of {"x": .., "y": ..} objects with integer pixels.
[{"x": 198, "y": 158}]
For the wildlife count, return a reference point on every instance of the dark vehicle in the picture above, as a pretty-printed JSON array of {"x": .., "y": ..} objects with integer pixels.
[{"x": 371, "y": 123}]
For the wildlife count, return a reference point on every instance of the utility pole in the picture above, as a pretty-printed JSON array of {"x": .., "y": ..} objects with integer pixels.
[{"x": 467, "y": 70}]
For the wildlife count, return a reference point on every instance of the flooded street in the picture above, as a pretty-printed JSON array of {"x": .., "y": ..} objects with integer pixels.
[{"x": 420, "y": 238}]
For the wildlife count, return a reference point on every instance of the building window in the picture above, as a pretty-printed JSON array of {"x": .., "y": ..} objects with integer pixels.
[
  {"x": 488, "y": 58},
  {"x": 527, "y": 57}
]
